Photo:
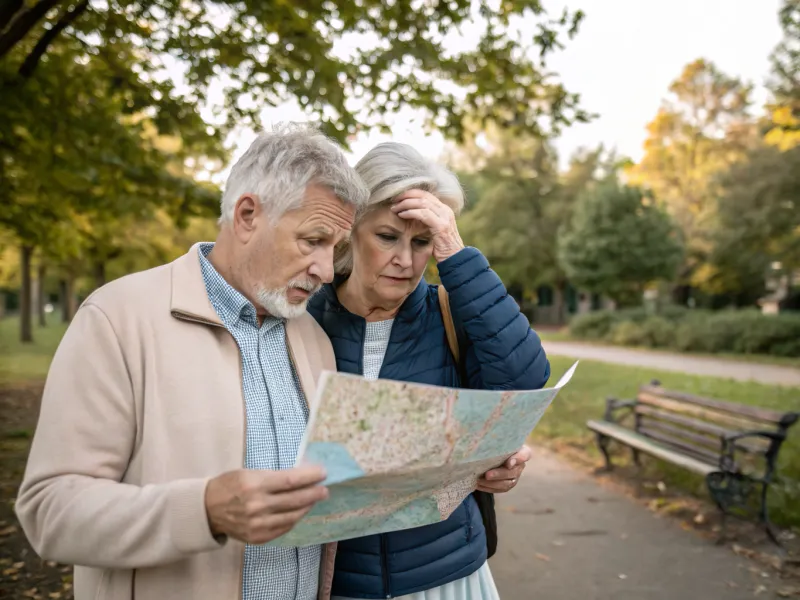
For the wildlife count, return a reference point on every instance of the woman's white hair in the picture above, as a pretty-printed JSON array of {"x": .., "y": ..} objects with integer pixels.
[
  {"x": 279, "y": 166},
  {"x": 390, "y": 169}
]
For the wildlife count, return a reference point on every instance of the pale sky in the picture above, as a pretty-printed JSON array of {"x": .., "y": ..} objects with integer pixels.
[{"x": 621, "y": 62}]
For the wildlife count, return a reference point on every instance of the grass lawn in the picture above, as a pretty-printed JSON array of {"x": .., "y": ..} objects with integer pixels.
[
  {"x": 584, "y": 398},
  {"x": 20, "y": 363}
]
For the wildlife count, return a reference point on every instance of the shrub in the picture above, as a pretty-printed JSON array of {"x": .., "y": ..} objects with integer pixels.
[
  {"x": 593, "y": 325},
  {"x": 626, "y": 333},
  {"x": 730, "y": 331}
]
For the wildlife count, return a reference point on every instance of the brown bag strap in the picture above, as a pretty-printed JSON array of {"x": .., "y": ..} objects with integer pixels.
[{"x": 449, "y": 326}]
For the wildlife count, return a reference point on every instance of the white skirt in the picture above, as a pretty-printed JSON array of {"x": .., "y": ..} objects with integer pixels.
[{"x": 478, "y": 586}]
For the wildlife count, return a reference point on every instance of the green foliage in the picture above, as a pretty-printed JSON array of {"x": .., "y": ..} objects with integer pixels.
[
  {"x": 618, "y": 242},
  {"x": 785, "y": 81},
  {"x": 759, "y": 214},
  {"x": 347, "y": 64},
  {"x": 731, "y": 331},
  {"x": 702, "y": 129}
]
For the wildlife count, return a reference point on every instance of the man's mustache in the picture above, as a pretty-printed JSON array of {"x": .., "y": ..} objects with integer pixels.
[{"x": 307, "y": 285}]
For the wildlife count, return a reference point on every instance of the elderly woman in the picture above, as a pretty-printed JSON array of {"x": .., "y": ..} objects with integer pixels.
[{"x": 385, "y": 321}]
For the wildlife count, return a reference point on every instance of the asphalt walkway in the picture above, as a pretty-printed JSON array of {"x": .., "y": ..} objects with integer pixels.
[
  {"x": 563, "y": 536},
  {"x": 668, "y": 361}
]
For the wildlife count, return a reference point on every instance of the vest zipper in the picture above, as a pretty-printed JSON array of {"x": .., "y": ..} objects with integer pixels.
[{"x": 384, "y": 568}]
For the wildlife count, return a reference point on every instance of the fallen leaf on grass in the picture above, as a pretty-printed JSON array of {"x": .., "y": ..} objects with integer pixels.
[
  {"x": 8, "y": 530},
  {"x": 543, "y": 557},
  {"x": 54, "y": 595}
]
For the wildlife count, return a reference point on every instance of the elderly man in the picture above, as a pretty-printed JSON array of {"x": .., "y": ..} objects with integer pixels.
[{"x": 176, "y": 402}]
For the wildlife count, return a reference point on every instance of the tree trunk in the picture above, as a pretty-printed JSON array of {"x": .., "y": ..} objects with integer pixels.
[
  {"x": 66, "y": 292},
  {"x": 41, "y": 297},
  {"x": 558, "y": 302},
  {"x": 99, "y": 274},
  {"x": 25, "y": 322}
]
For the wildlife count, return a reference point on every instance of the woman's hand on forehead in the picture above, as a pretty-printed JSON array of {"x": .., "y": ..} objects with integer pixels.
[{"x": 439, "y": 218}]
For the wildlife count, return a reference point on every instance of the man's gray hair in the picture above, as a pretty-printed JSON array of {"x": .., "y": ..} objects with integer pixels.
[
  {"x": 390, "y": 169},
  {"x": 279, "y": 165}
]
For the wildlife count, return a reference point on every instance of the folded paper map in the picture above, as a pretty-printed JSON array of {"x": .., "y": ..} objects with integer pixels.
[{"x": 401, "y": 455}]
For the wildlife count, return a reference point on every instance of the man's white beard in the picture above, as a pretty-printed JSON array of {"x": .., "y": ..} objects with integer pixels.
[{"x": 276, "y": 302}]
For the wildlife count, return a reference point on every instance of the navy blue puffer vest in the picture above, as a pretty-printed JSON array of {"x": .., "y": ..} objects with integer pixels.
[{"x": 502, "y": 353}]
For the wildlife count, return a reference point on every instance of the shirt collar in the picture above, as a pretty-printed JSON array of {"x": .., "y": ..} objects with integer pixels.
[{"x": 230, "y": 303}]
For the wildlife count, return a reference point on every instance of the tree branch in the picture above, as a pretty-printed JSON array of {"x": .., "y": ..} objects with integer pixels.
[
  {"x": 7, "y": 12},
  {"x": 27, "y": 68},
  {"x": 23, "y": 24}
]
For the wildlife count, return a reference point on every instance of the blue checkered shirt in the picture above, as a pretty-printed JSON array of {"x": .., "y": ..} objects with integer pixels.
[{"x": 276, "y": 418}]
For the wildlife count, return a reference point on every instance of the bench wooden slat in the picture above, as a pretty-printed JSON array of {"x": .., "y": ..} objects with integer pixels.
[
  {"x": 704, "y": 441},
  {"x": 645, "y": 444},
  {"x": 737, "y": 423},
  {"x": 683, "y": 445},
  {"x": 757, "y": 413},
  {"x": 715, "y": 431}
]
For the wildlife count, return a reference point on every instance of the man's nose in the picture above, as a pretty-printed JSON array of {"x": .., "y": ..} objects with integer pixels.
[{"x": 323, "y": 268}]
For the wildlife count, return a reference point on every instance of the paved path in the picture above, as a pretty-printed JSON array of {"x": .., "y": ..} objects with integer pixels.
[
  {"x": 667, "y": 361},
  {"x": 564, "y": 537}
]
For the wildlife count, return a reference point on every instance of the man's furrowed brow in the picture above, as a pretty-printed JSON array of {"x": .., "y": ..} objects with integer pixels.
[{"x": 322, "y": 231}]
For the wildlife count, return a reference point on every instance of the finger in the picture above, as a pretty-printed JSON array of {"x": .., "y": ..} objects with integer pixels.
[
  {"x": 496, "y": 486},
  {"x": 423, "y": 215},
  {"x": 293, "y": 479},
  {"x": 504, "y": 474},
  {"x": 415, "y": 194},
  {"x": 523, "y": 455},
  {"x": 431, "y": 203},
  {"x": 297, "y": 499},
  {"x": 274, "y": 526}
]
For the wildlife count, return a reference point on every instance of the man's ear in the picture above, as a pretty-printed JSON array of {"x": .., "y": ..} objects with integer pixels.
[{"x": 245, "y": 216}]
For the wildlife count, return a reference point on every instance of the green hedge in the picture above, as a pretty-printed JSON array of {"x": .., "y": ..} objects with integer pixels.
[{"x": 730, "y": 331}]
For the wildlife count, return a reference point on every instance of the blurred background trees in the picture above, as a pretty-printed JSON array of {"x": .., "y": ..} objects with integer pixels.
[{"x": 117, "y": 118}]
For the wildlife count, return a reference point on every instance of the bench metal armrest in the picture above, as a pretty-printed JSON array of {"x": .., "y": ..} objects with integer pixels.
[
  {"x": 772, "y": 435},
  {"x": 614, "y": 404},
  {"x": 771, "y": 453}
]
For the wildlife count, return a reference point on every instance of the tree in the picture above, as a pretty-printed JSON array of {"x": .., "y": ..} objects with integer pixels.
[
  {"x": 617, "y": 242},
  {"x": 700, "y": 131},
  {"x": 265, "y": 53},
  {"x": 785, "y": 80},
  {"x": 759, "y": 217},
  {"x": 512, "y": 219},
  {"x": 80, "y": 163}
]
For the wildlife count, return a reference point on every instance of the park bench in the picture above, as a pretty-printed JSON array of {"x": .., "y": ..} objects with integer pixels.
[{"x": 733, "y": 446}]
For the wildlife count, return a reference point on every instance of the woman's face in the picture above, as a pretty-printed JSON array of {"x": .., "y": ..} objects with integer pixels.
[{"x": 390, "y": 254}]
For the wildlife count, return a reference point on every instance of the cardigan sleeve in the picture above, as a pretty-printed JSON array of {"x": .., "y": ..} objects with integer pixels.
[{"x": 503, "y": 352}]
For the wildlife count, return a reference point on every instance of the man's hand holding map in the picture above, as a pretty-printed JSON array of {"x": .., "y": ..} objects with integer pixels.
[{"x": 401, "y": 455}]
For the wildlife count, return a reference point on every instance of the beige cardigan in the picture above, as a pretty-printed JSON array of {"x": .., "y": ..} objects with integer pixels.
[{"x": 143, "y": 405}]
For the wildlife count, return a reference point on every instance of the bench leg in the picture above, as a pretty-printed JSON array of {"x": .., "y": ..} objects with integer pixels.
[
  {"x": 635, "y": 457},
  {"x": 764, "y": 517},
  {"x": 602, "y": 443}
]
